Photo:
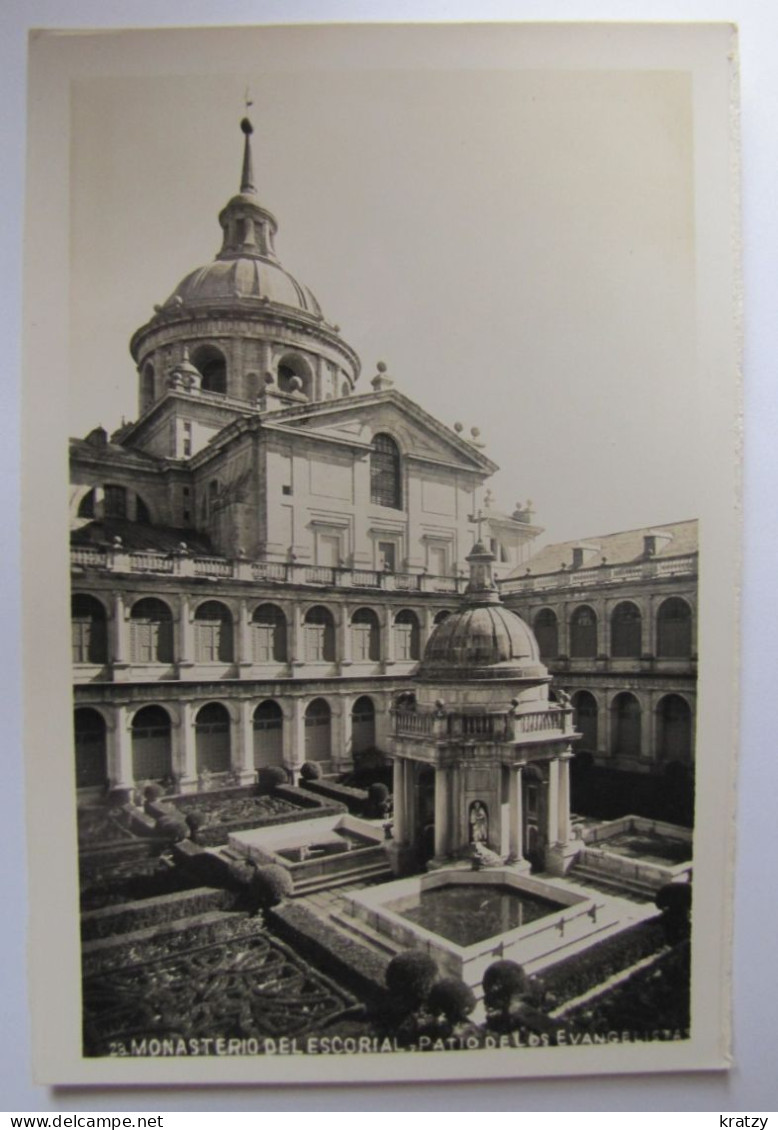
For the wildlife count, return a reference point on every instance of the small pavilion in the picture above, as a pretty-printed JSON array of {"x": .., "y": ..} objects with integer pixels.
[{"x": 481, "y": 754}]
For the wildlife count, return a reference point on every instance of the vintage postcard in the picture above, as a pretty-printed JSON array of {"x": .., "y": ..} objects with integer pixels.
[{"x": 381, "y": 397}]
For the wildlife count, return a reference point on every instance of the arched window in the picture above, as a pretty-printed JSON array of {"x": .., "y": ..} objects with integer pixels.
[
  {"x": 365, "y": 636},
  {"x": 625, "y": 725},
  {"x": 212, "y": 738},
  {"x": 585, "y": 707},
  {"x": 441, "y": 616},
  {"x": 318, "y": 736},
  {"x": 212, "y": 367},
  {"x": 674, "y": 629},
  {"x": 674, "y": 729},
  {"x": 546, "y": 631},
  {"x": 151, "y": 639},
  {"x": 151, "y": 746},
  {"x": 385, "y": 486},
  {"x": 147, "y": 386},
  {"x": 626, "y": 631},
  {"x": 406, "y": 635},
  {"x": 91, "y": 761},
  {"x": 268, "y": 735},
  {"x": 88, "y": 623},
  {"x": 319, "y": 635},
  {"x": 213, "y": 633},
  {"x": 114, "y": 501},
  {"x": 268, "y": 634},
  {"x": 294, "y": 375},
  {"x": 86, "y": 507},
  {"x": 362, "y": 725},
  {"x": 583, "y": 633}
]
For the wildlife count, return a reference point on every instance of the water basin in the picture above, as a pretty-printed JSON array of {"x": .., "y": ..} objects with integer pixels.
[{"x": 466, "y": 914}]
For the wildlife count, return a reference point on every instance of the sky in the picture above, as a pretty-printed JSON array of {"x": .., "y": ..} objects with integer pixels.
[{"x": 516, "y": 245}]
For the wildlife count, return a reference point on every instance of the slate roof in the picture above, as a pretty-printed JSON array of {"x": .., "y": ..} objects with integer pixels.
[
  {"x": 621, "y": 548},
  {"x": 138, "y": 536}
]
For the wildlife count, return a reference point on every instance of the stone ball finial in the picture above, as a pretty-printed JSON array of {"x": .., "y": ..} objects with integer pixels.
[
  {"x": 336, "y": 328},
  {"x": 295, "y": 384},
  {"x": 247, "y": 127},
  {"x": 458, "y": 427},
  {"x": 381, "y": 366},
  {"x": 475, "y": 432},
  {"x": 269, "y": 379}
]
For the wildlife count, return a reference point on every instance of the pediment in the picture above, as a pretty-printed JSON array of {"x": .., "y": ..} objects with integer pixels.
[{"x": 358, "y": 419}]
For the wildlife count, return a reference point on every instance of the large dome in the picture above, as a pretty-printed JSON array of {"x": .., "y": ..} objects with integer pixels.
[
  {"x": 231, "y": 280},
  {"x": 483, "y": 640}
]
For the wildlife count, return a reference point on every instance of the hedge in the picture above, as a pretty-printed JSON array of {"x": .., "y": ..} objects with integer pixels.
[
  {"x": 151, "y": 912},
  {"x": 363, "y": 970},
  {"x": 355, "y": 799},
  {"x": 576, "y": 975}
]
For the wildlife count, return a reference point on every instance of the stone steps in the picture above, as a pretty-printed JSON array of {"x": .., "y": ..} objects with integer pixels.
[
  {"x": 581, "y": 873},
  {"x": 375, "y": 869}
]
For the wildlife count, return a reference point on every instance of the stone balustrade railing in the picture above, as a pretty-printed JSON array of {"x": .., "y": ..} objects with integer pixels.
[
  {"x": 604, "y": 575},
  {"x": 118, "y": 560},
  {"x": 499, "y": 726}
]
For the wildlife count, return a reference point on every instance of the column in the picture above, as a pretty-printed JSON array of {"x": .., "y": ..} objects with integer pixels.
[
  {"x": 603, "y": 627},
  {"x": 426, "y": 620},
  {"x": 563, "y": 627},
  {"x": 553, "y": 802},
  {"x": 515, "y": 830},
  {"x": 294, "y": 754},
  {"x": 120, "y": 642},
  {"x": 343, "y": 652},
  {"x": 186, "y": 647},
  {"x": 564, "y": 797},
  {"x": 243, "y": 745},
  {"x": 442, "y": 824},
  {"x": 243, "y": 656},
  {"x": 296, "y": 637},
  {"x": 387, "y": 636},
  {"x": 398, "y": 792},
  {"x": 648, "y": 726},
  {"x": 120, "y": 771},
  {"x": 342, "y": 754},
  {"x": 409, "y": 793},
  {"x": 185, "y": 757}
]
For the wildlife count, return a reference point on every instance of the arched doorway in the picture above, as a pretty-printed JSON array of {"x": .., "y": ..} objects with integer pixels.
[
  {"x": 213, "y": 368},
  {"x": 585, "y": 707},
  {"x": 212, "y": 738},
  {"x": 151, "y": 745},
  {"x": 90, "y": 744},
  {"x": 674, "y": 629},
  {"x": 406, "y": 635},
  {"x": 151, "y": 623},
  {"x": 625, "y": 725},
  {"x": 268, "y": 634},
  {"x": 318, "y": 731},
  {"x": 546, "y": 631},
  {"x": 626, "y": 631},
  {"x": 583, "y": 633},
  {"x": 362, "y": 725},
  {"x": 88, "y": 625},
  {"x": 319, "y": 635},
  {"x": 365, "y": 636},
  {"x": 213, "y": 633},
  {"x": 674, "y": 730},
  {"x": 268, "y": 735}
]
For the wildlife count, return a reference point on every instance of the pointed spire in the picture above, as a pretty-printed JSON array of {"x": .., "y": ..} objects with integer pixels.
[{"x": 247, "y": 175}]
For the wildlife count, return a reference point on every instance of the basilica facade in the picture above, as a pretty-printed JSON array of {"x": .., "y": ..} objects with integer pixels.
[{"x": 259, "y": 559}]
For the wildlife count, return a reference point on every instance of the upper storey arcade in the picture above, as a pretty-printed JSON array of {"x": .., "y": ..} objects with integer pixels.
[{"x": 242, "y": 327}]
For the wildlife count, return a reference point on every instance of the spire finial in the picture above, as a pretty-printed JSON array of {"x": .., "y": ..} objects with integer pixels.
[{"x": 247, "y": 175}]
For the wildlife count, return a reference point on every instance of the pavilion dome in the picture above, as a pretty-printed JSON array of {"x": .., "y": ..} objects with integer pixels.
[
  {"x": 241, "y": 279},
  {"x": 484, "y": 639}
]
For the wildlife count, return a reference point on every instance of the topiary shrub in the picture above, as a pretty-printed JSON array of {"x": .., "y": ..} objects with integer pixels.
[
  {"x": 195, "y": 820},
  {"x": 675, "y": 902},
  {"x": 171, "y": 828},
  {"x": 273, "y": 777},
  {"x": 409, "y": 978},
  {"x": 504, "y": 984},
  {"x": 311, "y": 771},
  {"x": 452, "y": 999},
  {"x": 379, "y": 801},
  {"x": 268, "y": 886}
]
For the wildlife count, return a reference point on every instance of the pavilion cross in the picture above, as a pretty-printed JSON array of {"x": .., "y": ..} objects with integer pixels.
[{"x": 479, "y": 517}]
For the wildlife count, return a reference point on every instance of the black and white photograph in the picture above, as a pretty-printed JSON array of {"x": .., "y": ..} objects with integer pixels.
[{"x": 390, "y": 405}]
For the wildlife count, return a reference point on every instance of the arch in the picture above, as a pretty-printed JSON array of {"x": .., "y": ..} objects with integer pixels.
[
  {"x": 441, "y": 616},
  {"x": 90, "y": 745},
  {"x": 292, "y": 365},
  {"x": 583, "y": 633},
  {"x": 407, "y": 635},
  {"x": 212, "y": 738},
  {"x": 319, "y": 632},
  {"x": 546, "y": 629},
  {"x": 151, "y": 744},
  {"x": 365, "y": 636},
  {"x": 385, "y": 479},
  {"x": 89, "y": 629},
  {"x": 585, "y": 717},
  {"x": 268, "y": 634},
  {"x": 674, "y": 730},
  {"x": 147, "y": 391},
  {"x": 318, "y": 730},
  {"x": 151, "y": 635},
  {"x": 625, "y": 725},
  {"x": 114, "y": 501},
  {"x": 86, "y": 507},
  {"x": 674, "y": 629},
  {"x": 268, "y": 725},
  {"x": 213, "y": 633},
  {"x": 626, "y": 631},
  {"x": 362, "y": 725},
  {"x": 212, "y": 366},
  {"x": 142, "y": 511}
]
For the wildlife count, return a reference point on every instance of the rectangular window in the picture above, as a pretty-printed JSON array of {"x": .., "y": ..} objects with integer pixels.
[
  {"x": 387, "y": 556},
  {"x": 403, "y": 647},
  {"x": 361, "y": 638},
  {"x": 314, "y": 642},
  {"x": 263, "y": 638},
  {"x": 115, "y": 502}
]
